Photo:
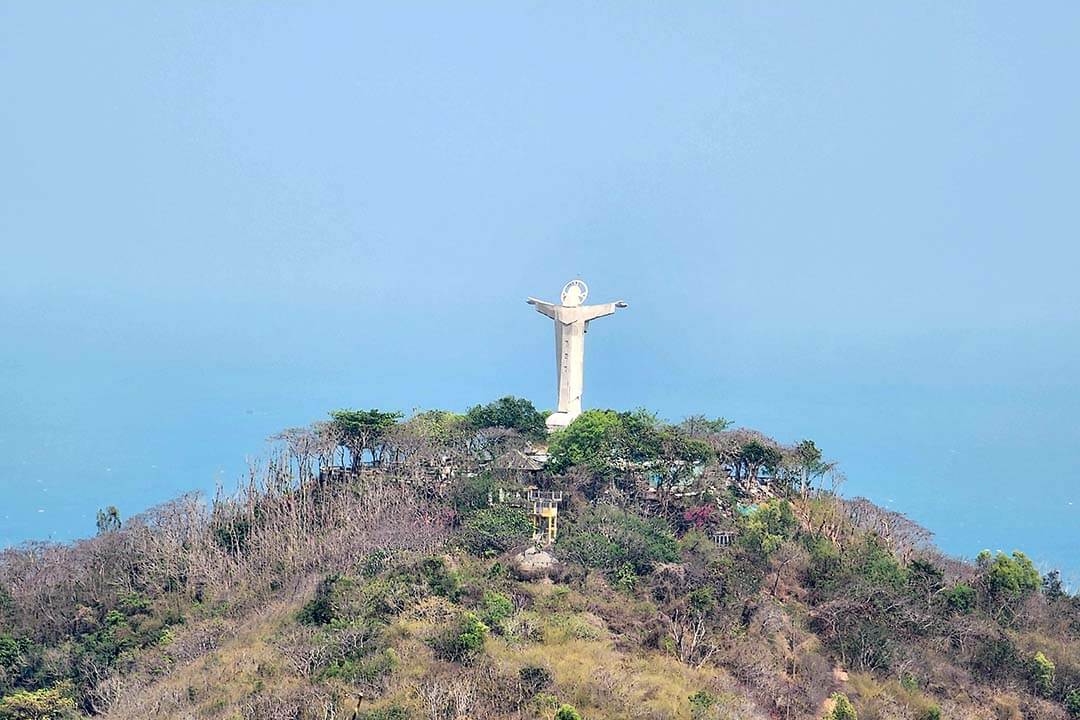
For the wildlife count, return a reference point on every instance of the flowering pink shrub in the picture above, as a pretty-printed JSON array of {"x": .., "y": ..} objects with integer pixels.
[{"x": 701, "y": 516}]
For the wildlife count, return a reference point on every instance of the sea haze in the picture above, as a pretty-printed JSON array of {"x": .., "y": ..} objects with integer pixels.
[{"x": 854, "y": 223}]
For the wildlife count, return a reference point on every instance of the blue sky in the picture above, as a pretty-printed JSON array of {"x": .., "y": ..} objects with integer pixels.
[{"x": 846, "y": 221}]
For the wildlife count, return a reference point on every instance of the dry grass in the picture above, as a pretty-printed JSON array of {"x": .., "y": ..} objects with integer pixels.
[{"x": 215, "y": 684}]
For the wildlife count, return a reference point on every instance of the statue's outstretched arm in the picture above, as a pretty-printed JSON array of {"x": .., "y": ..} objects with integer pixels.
[
  {"x": 542, "y": 307},
  {"x": 598, "y": 311}
]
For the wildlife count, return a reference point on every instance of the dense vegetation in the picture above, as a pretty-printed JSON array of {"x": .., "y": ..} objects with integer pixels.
[{"x": 368, "y": 570}]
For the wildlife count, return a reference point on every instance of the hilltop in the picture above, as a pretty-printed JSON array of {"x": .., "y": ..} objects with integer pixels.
[{"x": 448, "y": 566}]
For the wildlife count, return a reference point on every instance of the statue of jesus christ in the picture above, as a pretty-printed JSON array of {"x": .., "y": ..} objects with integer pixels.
[{"x": 571, "y": 323}]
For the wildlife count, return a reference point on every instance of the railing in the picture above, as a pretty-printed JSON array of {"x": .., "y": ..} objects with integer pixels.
[
  {"x": 725, "y": 537},
  {"x": 548, "y": 495}
]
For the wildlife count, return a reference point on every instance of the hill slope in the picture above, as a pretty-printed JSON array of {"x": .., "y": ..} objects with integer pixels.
[{"x": 699, "y": 572}]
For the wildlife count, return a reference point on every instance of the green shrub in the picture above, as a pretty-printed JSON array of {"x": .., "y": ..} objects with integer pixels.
[
  {"x": 625, "y": 578},
  {"x": 995, "y": 658},
  {"x": 567, "y": 712},
  {"x": 134, "y": 604},
  {"x": 367, "y": 669},
  {"x": 842, "y": 708},
  {"x": 11, "y": 652},
  {"x": 960, "y": 598},
  {"x": 439, "y": 579},
  {"x": 1052, "y": 586},
  {"x": 703, "y": 600},
  {"x": 394, "y": 712},
  {"x": 825, "y": 572},
  {"x": 1042, "y": 674},
  {"x": 609, "y": 539},
  {"x": 56, "y": 703},
  {"x": 932, "y": 713},
  {"x": 590, "y": 549},
  {"x": 463, "y": 640},
  {"x": 878, "y": 567},
  {"x": 388, "y": 594},
  {"x": 494, "y": 530},
  {"x": 320, "y": 609},
  {"x": 7, "y": 609},
  {"x": 383, "y": 598},
  {"x": 1072, "y": 702},
  {"x": 375, "y": 562},
  {"x": 496, "y": 609},
  {"x": 701, "y": 704}
]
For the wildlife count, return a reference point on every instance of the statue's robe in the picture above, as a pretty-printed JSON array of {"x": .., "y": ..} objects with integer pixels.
[{"x": 571, "y": 324}]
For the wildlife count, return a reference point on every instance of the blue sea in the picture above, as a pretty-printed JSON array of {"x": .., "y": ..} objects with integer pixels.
[{"x": 133, "y": 424}]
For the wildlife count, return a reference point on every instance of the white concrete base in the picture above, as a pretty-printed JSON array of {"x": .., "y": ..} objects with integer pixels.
[{"x": 559, "y": 420}]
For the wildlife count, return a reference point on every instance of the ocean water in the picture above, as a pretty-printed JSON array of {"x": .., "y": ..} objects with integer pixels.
[{"x": 979, "y": 465}]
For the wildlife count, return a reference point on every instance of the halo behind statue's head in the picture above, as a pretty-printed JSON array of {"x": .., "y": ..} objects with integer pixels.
[{"x": 574, "y": 293}]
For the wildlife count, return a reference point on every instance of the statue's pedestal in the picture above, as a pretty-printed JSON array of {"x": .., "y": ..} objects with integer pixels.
[{"x": 559, "y": 420}]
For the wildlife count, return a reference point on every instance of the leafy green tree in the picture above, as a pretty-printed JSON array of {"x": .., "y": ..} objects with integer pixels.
[
  {"x": 842, "y": 708},
  {"x": 925, "y": 579},
  {"x": 108, "y": 520},
  {"x": 7, "y": 608},
  {"x": 55, "y": 703},
  {"x": 1052, "y": 586},
  {"x": 610, "y": 539},
  {"x": 638, "y": 438},
  {"x": 961, "y": 598},
  {"x": 472, "y": 492},
  {"x": 10, "y": 652},
  {"x": 1008, "y": 579},
  {"x": 698, "y": 426},
  {"x": 509, "y": 412},
  {"x": 751, "y": 453},
  {"x": 809, "y": 464},
  {"x": 878, "y": 567},
  {"x": 363, "y": 430},
  {"x": 394, "y": 712},
  {"x": 494, "y": 530},
  {"x": 637, "y": 442},
  {"x": 439, "y": 579},
  {"x": 766, "y": 528},
  {"x": 440, "y": 428},
  {"x": 676, "y": 457},
  {"x": 591, "y": 440},
  {"x": 19, "y": 658},
  {"x": 1042, "y": 674}
]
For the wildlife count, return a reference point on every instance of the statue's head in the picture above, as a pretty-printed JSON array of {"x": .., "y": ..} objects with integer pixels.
[{"x": 574, "y": 293}]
